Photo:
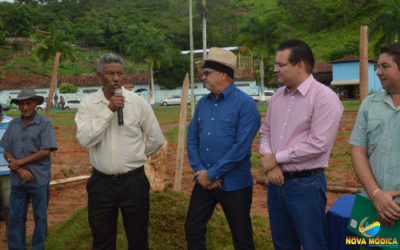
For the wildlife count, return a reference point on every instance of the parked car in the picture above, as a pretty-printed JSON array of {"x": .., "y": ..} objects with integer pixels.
[
  {"x": 41, "y": 106},
  {"x": 72, "y": 104},
  {"x": 267, "y": 94},
  {"x": 5, "y": 107},
  {"x": 173, "y": 100}
]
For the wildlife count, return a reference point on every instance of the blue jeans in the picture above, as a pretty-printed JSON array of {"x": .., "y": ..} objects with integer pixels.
[
  {"x": 297, "y": 213},
  {"x": 19, "y": 200}
]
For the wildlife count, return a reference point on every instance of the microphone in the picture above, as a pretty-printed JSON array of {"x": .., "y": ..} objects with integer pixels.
[{"x": 119, "y": 111}]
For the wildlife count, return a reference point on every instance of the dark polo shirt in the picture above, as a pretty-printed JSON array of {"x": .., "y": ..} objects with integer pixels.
[{"x": 24, "y": 141}]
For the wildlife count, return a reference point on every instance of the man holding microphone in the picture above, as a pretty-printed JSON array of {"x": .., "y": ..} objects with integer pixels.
[{"x": 121, "y": 130}]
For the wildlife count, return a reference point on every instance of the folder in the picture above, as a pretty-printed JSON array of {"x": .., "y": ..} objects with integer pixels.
[{"x": 363, "y": 222}]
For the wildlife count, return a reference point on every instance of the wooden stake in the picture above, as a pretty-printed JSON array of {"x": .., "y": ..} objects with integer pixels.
[
  {"x": 68, "y": 180},
  {"x": 52, "y": 84},
  {"x": 181, "y": 135},
  {"x": 363, "y": 62}
]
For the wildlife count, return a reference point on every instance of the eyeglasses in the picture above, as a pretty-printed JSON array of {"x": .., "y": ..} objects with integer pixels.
[
  {"x": 280, "y": 65},
  {"x": 207, "y": 72}
]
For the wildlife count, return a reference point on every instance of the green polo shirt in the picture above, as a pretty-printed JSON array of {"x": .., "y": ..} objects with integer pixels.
[{"x": 378, "y": 128}]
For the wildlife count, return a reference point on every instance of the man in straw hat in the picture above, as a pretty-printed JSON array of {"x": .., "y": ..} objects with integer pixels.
[
  {"x": 28, "y": 143},
  {"x": 296, "y": 138},
  {"x": 219, "y": 141}
]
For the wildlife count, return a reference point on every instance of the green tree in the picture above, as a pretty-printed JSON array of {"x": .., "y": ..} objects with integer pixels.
[
  {"x": 2, "y": 34},
  {"x": 387, "y": 24},
  {"x": 171, "y": 75},
  {"x": 67, "y": 88},
  {"x": 18, "y": 19},
  {"x": 49, "y": 45},
  {"x": 261, "y": 34},
  {"x": 151, "y": 47}
]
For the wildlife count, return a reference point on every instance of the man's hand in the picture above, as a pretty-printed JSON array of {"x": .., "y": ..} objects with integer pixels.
[
  {"x": 116, "y": 101},
  {"x": 387, "y": 211},
  {"x": 25, "y": 175},
  {"x": 202, "y": 178},
  {"x": 215, "y": 184},
  {"x": 275, "y": 176},
  {"x": 268, "y": 162},
  {"x": 9, "y": 157},
  {"x": 14, "y": 164}
]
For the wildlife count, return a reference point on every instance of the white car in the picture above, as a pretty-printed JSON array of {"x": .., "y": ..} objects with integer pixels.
[
  {"x": 173, "y": 100},
  {"x": 72, "y": 104},
  {"x": 267, "y": 95},
  {"x": 41, "y": 106}
]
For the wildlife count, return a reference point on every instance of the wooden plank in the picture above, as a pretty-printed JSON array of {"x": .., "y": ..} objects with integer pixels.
[
  {"x": 52, "y": 83},
  {"x": 181, "y": 135},
  {"x": 68, "y": 180}
]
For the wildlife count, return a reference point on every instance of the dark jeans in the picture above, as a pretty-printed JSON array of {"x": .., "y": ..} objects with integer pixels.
[
  {"x": 236, "y": 205},
  {"x": 19, "y": 200},
  {"x": 107, "y": 194},
  {"x": 297, "y": 213}
]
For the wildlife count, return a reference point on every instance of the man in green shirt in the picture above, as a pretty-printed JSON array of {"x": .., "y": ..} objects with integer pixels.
[{"x": 376, "y": 139}]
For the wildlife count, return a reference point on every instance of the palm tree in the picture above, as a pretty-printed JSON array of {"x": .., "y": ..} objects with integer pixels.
[
  {"x": 387, "y": 24},
  {"x": 261, "y": 35},
  {"x": 150, "y": 46},
  {"x": 48, "y": 45}
]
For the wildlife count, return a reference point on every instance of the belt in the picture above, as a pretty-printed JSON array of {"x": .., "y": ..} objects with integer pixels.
[
  {"x": 301, "y": 174},
  {"x": 133, "y": 172}
]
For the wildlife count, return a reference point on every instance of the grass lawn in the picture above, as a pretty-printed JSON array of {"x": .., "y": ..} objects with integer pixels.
[{"x": 166, "y": 228}]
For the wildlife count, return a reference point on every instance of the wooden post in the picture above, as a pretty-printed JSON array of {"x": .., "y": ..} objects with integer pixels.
[
  {"x": 52, "y": 84},
  {"x": 363, "y": 62},
  {"x": 181, "y": 135}
]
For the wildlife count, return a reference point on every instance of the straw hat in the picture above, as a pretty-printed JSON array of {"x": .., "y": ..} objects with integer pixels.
[
  {"x": 223, "y": 56},
  {"x": 26, "y": 94}
]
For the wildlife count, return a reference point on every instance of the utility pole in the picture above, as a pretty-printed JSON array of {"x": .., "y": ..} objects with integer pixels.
[
  {"x": 204, "y": 15},
  {"x": 191, "y": 58}
]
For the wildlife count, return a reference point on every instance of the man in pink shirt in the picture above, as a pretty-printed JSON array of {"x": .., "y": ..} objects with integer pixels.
[{"x": 296, "y": 138}]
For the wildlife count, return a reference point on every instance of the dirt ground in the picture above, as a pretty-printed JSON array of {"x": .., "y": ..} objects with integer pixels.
[{"x": 72, "y": 160}]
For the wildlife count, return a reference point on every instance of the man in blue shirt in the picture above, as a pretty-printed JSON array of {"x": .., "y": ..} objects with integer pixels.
[
  {"x": 28, "y": 143},
  {"x": 4, "y": 174},
  {"x": 219, "y": 141}
]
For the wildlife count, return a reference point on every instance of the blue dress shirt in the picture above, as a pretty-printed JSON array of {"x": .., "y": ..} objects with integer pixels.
[
  {"x": 24, "y": 141},
  {"x": 220, "y": 136}
]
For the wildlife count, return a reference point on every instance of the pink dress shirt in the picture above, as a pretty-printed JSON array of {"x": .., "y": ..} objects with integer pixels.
[{"x": 300, "y": 127}]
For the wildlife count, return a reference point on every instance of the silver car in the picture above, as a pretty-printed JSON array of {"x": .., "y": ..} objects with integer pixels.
[
  {"x": 72, "y": 104},
  {"x": 41, "y": 106},
  {"x": 173, "y": 100}
]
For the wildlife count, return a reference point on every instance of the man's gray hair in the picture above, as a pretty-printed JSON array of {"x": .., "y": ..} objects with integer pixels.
[{"x": 108, "y": 58}]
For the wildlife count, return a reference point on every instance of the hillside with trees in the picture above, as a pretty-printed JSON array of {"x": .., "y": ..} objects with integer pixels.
[{"x": 150, "y": 34}]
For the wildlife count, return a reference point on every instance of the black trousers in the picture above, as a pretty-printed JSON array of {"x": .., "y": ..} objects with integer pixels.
[
  {"x": 236, "y": 206},
  {"x": 106, "y": 195}
]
